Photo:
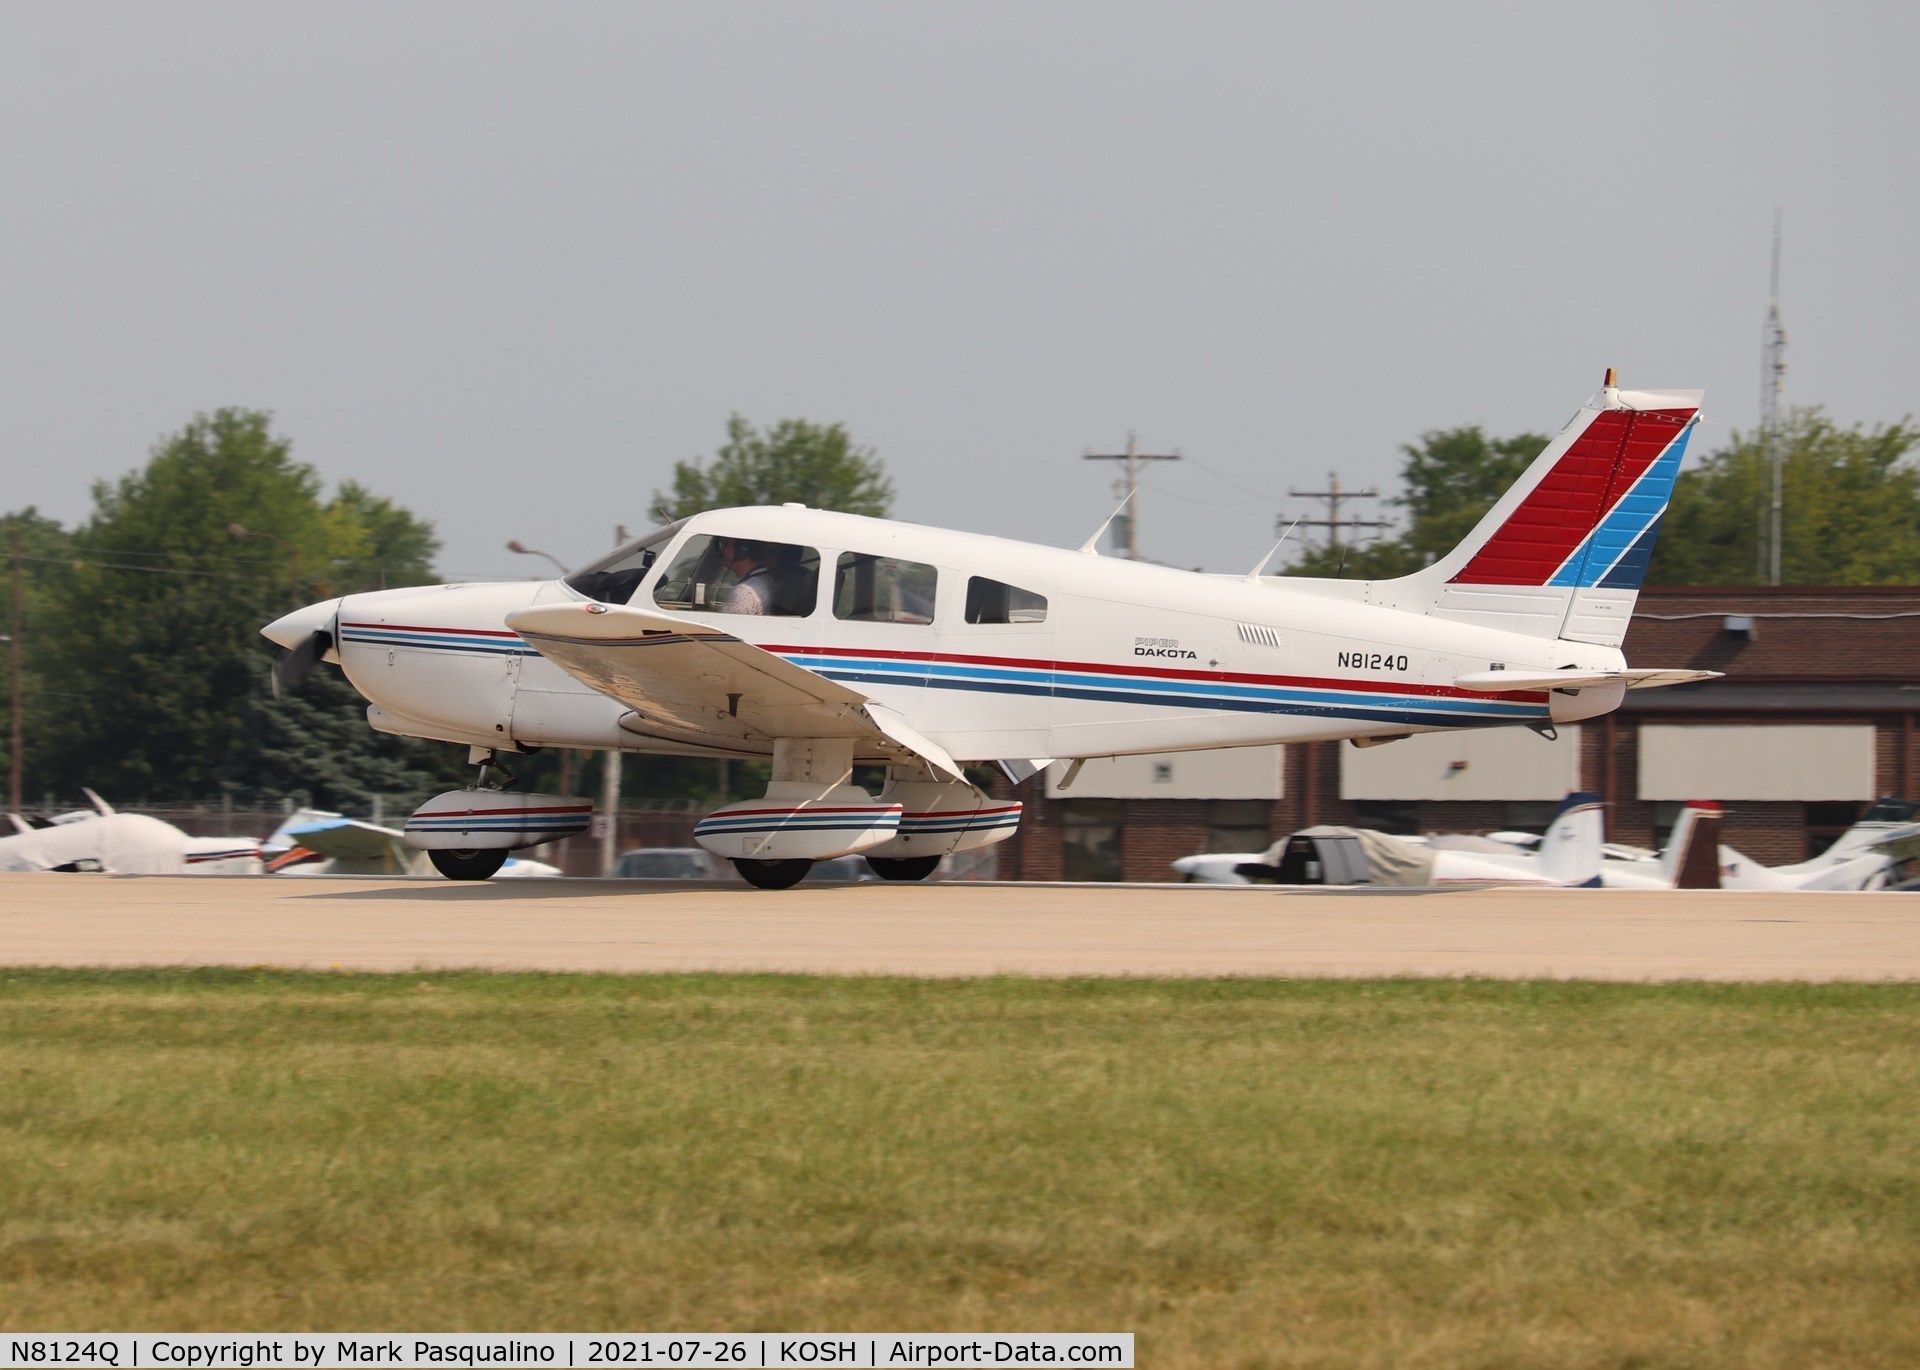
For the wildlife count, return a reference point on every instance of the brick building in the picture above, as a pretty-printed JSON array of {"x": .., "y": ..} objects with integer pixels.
[{"x": 1815, "y": 719}]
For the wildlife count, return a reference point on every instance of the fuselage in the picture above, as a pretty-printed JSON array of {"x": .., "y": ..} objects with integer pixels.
[{"x": 995, "y": 649}]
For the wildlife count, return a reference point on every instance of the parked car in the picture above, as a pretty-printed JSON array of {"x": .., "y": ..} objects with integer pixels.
[{"x": 669, "y": 863}]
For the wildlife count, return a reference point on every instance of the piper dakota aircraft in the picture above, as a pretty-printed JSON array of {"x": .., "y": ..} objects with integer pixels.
[{"x": 825, "y": 640}]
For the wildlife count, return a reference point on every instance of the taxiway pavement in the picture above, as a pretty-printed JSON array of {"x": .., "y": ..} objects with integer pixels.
[{"x": 958, "y": 929}]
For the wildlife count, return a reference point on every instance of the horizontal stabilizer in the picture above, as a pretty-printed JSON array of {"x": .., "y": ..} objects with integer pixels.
[{"x": 1499, "y": 682}]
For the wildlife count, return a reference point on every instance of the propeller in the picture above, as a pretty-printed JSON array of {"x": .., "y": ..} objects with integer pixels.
[{"x": 297, "y": 662}]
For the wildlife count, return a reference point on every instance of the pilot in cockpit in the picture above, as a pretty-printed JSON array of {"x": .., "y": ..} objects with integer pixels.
[{"x": 752, "y": 591}]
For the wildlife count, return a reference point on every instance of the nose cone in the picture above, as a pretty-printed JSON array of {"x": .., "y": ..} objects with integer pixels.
[{"x": 290, "y": 630}]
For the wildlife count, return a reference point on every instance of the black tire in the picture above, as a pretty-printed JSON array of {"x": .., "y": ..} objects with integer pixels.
[
  {"x": 477, "y": 864},
  {"x": 772, "y": 875},
  {"x": 903, "y": 867}
]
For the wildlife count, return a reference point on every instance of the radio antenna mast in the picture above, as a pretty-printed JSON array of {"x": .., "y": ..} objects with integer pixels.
[{"x": 1773, "y": 383}]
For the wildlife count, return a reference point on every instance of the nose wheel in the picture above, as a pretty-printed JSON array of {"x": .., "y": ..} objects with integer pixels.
[
  {"x": 903, "y": 867},
  {"x": 476, "y": 864},
  {"x": 772, "y": 875}
]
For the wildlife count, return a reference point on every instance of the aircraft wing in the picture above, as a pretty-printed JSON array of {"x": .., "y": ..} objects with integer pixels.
[
  {"x": 1498, "y": 682},
  {"x": 1901, "y": 844},
  {"x": 692, "y": 682},
  {"x": 348, "y": 839}
]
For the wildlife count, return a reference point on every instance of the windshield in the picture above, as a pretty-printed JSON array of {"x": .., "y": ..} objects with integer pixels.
[{"x": 613, "y": 579}]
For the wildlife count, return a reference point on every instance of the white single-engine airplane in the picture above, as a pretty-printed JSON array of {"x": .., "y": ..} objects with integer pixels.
[{"x": 827, "y": 640}]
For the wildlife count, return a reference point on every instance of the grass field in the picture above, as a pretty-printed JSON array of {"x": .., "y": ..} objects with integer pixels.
[{"x": 1244, "y": 1173}]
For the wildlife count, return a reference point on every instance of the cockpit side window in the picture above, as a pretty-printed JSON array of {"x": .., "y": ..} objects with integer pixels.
[
  {"x": 873, "y": 589},
  {"x": 741, "y": 576},
  {"x": 991, "y": 601},
  {"x": 613, "y": 579}
]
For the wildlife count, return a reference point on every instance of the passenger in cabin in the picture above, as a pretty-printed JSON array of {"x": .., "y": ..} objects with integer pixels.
[{"x": 753, "y": 589}]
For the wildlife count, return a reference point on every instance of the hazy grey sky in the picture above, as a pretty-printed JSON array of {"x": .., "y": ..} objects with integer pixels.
[{"x": 507, "y": 263}]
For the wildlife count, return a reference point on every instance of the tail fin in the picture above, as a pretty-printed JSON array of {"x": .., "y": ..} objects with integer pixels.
[
  {"x": 1563, "y": 552},
  {"x": 1691, "y": 860},
  {"x": 1570, "y": 849}
]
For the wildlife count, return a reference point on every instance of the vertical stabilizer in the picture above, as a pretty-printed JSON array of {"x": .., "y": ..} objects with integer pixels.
[
  {"x": 1570, "y": 849},
  {"x": 1691, "y": 860},
  {"x": 1564, "y": 551}
]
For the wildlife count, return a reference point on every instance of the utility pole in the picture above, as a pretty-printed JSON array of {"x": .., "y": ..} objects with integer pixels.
[
  {"x": 13, "y": 643},
  {"x": 1335, "y": 496},
  {"x": 1773, "y": 383},
  {"x": 1133, "y": 456}
]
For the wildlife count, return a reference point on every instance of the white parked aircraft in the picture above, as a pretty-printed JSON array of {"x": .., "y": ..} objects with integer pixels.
[
  {"x": 1568, "y": 854},
  {"x": 101, "y": 838},
  {"x": 823, "y": 640}
]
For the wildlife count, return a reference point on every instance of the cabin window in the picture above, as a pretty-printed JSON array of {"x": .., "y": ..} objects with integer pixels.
[
  {"x": 729, "y": 575},
  {"x": 613, "y": 579},
  {"x": 991, "y": 601},
  {"x": 870, "y": 589}
]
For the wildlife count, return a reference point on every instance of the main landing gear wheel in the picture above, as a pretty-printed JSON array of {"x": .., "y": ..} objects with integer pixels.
[
  {"x": 772, "y": 875},
  {"x": 468, "y": 864},
  {"x": 903, "y": 867}
]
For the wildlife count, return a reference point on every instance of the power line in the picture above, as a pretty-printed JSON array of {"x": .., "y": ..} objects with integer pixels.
[
  {"x": 1334, "y": 496},
  {"x": 1133, "y": 456}
]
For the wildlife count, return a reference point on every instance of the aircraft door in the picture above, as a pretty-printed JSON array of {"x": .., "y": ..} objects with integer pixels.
[{"x": 992, "y": 683}]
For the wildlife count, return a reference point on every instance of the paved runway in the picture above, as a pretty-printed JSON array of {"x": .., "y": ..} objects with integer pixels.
[{"x": 960, "y": 929}]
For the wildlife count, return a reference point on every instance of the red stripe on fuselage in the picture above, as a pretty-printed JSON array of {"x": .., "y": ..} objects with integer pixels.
[{"x": 1569, "y": 502}]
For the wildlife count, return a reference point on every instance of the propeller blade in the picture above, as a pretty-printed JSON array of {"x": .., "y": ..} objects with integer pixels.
[{"x": 297, "y": 663}]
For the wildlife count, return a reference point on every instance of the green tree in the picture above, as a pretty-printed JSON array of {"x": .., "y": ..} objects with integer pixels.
[
  {"x": 152, "y": 641},
  {"x": 814, "y": 464},
  {"x": 43, "y": 550},
  {"x": 1451, "y": 477},
  {"x": 1850, "y": 509}
]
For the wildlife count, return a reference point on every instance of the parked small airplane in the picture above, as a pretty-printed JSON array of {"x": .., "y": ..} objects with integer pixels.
[
  {"x": 321, "y": 842},
  {"x": 823, "y": 640},
  {"x": 1568, "y": 854},
  {"x": 1864, "y": 857},
  {"x": 102, "y": 838}
]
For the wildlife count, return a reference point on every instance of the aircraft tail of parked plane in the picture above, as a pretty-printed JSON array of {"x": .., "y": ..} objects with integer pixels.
[
  {"x": 1569, "y": 851},
  {"x": 1691, "y": 858},
  {"x": 1564, "y": 551}
]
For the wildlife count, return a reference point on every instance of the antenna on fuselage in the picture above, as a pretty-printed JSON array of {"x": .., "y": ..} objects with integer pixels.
[
  {"x": 1253, "y": 576},
  {"x": 1089, "y": 546}
]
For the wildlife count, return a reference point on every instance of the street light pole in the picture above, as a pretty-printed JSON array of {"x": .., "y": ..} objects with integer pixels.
[
  {"x": 515, "y": 545},
  {"x": 13, "y": 642}
]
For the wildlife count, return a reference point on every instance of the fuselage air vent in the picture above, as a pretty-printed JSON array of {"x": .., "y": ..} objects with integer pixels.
[{"x": 1259, "y": 636}]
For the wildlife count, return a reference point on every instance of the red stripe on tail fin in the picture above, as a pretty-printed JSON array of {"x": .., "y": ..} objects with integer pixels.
[{"x": 1598, "y": 468}]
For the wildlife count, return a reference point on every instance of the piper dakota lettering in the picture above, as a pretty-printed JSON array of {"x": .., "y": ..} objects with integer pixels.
[{"x": 1162, "y": 646}]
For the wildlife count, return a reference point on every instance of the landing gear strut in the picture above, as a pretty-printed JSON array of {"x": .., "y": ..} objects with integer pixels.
[{"x": 772, "y": 875}]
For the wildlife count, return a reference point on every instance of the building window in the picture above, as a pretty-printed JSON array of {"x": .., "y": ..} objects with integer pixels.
[
  {"x": 1090, "y": 846},
  {"x": 1387, "y": 815},
  {"x": 1827, "y": 820},
  {"x": 1238, "y": 825},
  {"x": 1529, "y": 815}
]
